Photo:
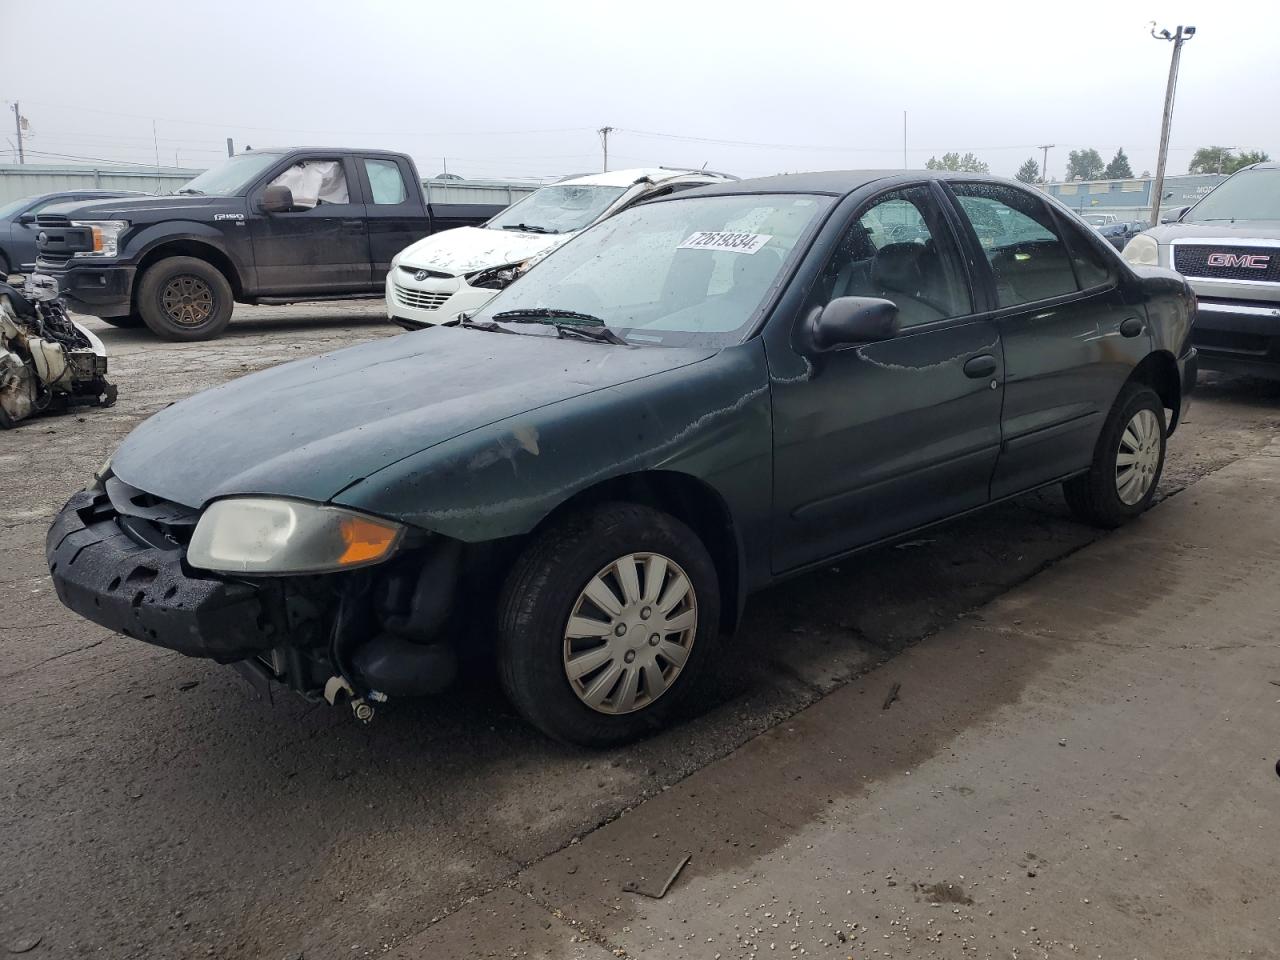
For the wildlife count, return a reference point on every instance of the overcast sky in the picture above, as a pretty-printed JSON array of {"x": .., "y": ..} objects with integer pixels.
[{"x": 519, "y": 89}]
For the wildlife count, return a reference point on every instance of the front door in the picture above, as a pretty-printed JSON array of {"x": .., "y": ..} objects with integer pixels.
[
  {"x": 876, "y": 439},
  {"x": 322, "y": 245},
  {"x": 1070, "y": 338}
]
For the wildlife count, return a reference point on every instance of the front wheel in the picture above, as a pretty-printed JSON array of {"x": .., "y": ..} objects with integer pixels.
[
  {"x": 1127, "y": 461},
  {"x": 183, "y": 298},
  {"x": 605, "y": 622}
]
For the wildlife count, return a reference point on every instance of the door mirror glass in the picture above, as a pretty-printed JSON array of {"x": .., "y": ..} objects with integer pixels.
[
  {"x": 846, "y": 321},
  {"x": 276, "y": 198}
]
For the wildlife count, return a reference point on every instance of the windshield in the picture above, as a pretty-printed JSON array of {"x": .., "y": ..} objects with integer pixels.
[
  {"x": 231, "y": 176},
  {"x": 560, "y": 208},
  {"x": 692, "y": 271},
  {"x": 1249, "y": 195}
]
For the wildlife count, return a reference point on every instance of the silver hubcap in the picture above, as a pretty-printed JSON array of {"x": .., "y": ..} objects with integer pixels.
[
  {"x": 630, "y": 632},
  {"x": 1138, "y": 457}
]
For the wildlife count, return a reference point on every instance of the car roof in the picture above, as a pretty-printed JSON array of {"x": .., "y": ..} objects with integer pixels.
[
  {"x": 837, "y": 183},
  {"x": 625, "y": 178}
]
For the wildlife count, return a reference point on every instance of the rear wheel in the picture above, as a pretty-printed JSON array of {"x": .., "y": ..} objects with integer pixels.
[
  {"x": 1127, "y": 461},
  {"x": 605, "y": 622},
  {"x": 182, "y": 298}
]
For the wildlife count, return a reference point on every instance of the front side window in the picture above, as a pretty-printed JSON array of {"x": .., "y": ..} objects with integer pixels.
[
  {"x": 1020, "y": 238},
  {"x": 385, "y": 182},
  {"x": 559, "y": 208},
  {"x": 689, "y": 271},
  {"x": 314, "y": 183},
  {"x": 900, "y": 250}
]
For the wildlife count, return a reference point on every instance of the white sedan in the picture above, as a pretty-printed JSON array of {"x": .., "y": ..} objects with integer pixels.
[{"x": 456, "y": 271}]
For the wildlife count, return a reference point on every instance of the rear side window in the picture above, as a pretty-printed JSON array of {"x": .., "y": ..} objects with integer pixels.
[
  {"x": 385, "y": 181},
  {"x": 1020, "y": 238},
  {"x": 1091, "y": 269}
]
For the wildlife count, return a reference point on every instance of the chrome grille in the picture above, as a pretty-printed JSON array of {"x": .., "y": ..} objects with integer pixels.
[{"x": 420, "y": 299}]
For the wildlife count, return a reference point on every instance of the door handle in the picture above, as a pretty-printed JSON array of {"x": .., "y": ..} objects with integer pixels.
[
  {"x": 980, "y": 367},
  {"x": 353, "y": 223},
  {"x": 1130, "y": 327}
]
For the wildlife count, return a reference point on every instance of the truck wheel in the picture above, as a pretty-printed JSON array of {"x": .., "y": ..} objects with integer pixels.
[
  {"x": 182, "y": 298},
  {"x": 605, "y": 622},
  {"x": 1127, "y": 461}
]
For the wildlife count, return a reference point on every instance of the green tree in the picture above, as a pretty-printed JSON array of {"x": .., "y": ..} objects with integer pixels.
[
  {"x": 1029, "y": 172},
  {"x": 1224, "y": 160},
  {"x": 1118, "y": 168},
  {"x": 1085, "y": 165},
  {"x": 953, "y": 161}
]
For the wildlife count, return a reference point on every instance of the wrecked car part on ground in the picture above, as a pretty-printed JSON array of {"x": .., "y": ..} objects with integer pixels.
[
  {"x": 686, "y": 403},
  {"x": 48, "y": 362}
]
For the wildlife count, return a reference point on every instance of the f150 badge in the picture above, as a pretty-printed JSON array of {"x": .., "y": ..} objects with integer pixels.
[
  {"x": 228, "y": 216},
  {"x": 1249, "y": 261}
]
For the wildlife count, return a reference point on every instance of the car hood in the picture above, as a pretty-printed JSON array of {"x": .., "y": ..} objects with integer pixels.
[
  {"x": 135, "y": 208},
  {"x": 468, "y": 249},
  {"x": 1239, "y": 230},
  {"x": 311, "y": 428}
]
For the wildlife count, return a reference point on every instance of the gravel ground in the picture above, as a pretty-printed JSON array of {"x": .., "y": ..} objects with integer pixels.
[{"x": 151, "y": 810}]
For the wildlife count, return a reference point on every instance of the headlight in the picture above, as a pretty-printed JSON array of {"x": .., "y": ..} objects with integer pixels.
[
  {"x": 498, "y": 278},
  {"x": 106, "y": 236},
  {"x": 270, "y": 535},
  {"x": 1142, "y": 250}
]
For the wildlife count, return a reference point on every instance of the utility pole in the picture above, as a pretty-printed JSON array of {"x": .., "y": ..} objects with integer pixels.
[
  {"x": 1179, "y": 36},
  {"x": 231, "y": 148},
  {"x": 1044, "y": 167},
  {"x": 18, "y": 121},
  {"x": 1222, "y": 155},
  {"x": 604, "y": 140},
  {"x": 905, "y": 165}
]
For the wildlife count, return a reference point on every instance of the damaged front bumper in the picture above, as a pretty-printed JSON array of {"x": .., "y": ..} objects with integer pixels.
[{"x": 117, "y": 557}]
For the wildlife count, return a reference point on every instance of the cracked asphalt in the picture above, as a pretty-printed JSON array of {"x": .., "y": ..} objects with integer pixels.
[{"x": 151, "y": 810}]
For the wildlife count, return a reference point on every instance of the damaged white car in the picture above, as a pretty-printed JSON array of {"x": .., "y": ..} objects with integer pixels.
[
  {"x": 48, "y": 362},
  {"x": 455, "y": 271}
]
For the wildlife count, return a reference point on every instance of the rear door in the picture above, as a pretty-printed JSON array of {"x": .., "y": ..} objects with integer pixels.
[
  {"x": 322, "y": 245},
  {"x": 393, "y": 210},
  {"x": 875, "y": 439},
  {"x": 1070, "y": 338}
]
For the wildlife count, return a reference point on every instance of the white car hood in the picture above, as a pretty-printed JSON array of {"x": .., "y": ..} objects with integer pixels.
[{"x": 468, "y": 249}]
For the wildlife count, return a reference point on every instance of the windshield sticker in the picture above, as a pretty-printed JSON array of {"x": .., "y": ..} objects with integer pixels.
[{"x": 732, "y": 242}]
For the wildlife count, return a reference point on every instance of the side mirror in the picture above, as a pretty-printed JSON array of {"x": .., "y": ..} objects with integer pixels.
[
  {"x": 276, "y": 198},
  {"x": 27, "y": 218},
  {"x": 1175, "y": 216},
  {"x": 850, "y": 320}
]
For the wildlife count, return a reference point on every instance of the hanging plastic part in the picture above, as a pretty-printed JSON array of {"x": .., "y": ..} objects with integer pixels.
[{"x": 334, "y": 686}]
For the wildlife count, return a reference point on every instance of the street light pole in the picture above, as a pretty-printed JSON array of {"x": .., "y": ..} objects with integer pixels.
[{"x": 1179, "y": 36}]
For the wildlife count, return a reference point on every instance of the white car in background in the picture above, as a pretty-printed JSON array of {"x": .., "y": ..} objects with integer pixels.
[{"x": 448, "y": 273}]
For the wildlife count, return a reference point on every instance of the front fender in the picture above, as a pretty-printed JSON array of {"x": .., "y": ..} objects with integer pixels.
[
  {"x": 710, "y": 420},
  {"x": 149, "y": 238}
]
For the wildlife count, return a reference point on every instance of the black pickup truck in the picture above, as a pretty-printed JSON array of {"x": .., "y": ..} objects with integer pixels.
[{"x": 264, "y": 227}]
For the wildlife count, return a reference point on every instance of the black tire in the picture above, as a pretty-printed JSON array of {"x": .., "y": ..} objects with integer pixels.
[
  {"x": 182, "y": 298},
  {"x": 131, "y": 322},
  {"x": 1094, "y": 497},
  {"x": 541, "y": 592}
]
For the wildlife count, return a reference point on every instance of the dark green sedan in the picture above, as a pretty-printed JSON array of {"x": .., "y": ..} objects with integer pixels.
[{"x": 686, "y": 403}]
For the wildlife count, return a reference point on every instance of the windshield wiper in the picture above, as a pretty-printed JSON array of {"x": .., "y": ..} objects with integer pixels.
[
  {"x": 194, "y": 193},
  {"x": 526, "y": 228},
  {"x": 568, "y": 322},
  {"x": 465, "y": 320}
]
